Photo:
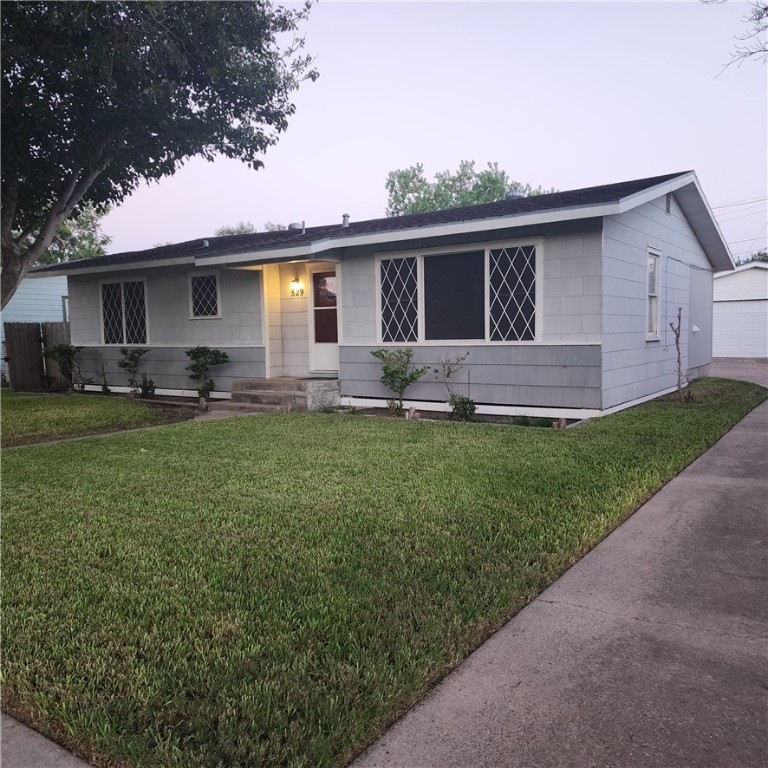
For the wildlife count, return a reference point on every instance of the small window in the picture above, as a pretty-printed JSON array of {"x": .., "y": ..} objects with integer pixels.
[
  {"x": 652, "y": 328},
  {"x": 124, "y": 312},
  {"x": 399, "y": 299},
  {"x": 204, "y": 296}
]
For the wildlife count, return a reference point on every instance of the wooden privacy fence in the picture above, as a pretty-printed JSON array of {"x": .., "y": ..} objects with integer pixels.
[{"x": 27, "y": 369}]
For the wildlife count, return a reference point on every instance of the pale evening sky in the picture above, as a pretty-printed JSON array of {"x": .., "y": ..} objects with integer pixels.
[{"x": 565, "y": 95}]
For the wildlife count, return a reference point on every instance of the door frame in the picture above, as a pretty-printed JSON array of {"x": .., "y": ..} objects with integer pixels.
[{"x": 311, "y": 271}]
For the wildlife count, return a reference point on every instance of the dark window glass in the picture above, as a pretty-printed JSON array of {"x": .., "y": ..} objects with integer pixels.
[
  {"x": 112, "y": 312},
  {"x": 324, "y": 284},
  {"x": 399, "y": 299},
  {"x": 512, "y": 284},
  {"x": 454, "y": 296},
  {"x": 135, "y": 314},
  {"x": 123, "y": 311}
]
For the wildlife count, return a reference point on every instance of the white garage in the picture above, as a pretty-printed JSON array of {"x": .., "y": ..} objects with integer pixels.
[{"x": 740, "y": 317}]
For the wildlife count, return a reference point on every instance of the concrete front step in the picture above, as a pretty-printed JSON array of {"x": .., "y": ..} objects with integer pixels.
[
  {"x": 285, "y": 384},
  {"x": 288, "y": 393},
  {"x": 286, "y": 398},
  {"x": 226, "y": 405}
]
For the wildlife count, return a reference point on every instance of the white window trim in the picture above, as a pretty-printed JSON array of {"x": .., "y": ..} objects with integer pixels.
[
  {"x": 112, "y": 281},
  {"x": 651, "y": 251},
  {"x": 214, "y": 273},
  {"x": 486, "y": 247}
]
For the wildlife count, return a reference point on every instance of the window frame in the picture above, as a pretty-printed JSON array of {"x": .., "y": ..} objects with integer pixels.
[
  {"x": 121, "y": 281},
  {"x": 653, "y": 253},
  {"x": 210, "y": 273},
  {"x": 486, "y": 247}
]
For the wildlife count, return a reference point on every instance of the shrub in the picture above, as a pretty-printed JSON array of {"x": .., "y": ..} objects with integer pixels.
[
  {"x": 65, "y": 356},
  {"x": 462, "y": 407},
  {"x": 130, "y": 363},
  {"x": 398, "y": 373},
  {"x": 203, "y": 358}
]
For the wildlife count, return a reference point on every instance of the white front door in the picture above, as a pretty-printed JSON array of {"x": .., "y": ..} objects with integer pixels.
[{"x": 323, "y": 322}]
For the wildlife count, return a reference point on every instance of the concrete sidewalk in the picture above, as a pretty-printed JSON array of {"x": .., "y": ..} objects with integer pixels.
[{"x": 651, "y": 652}]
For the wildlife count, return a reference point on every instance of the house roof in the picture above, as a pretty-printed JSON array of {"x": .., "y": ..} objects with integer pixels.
[
  {"x": 320, "y": 242},
  {"x": 744, "y": 267}
]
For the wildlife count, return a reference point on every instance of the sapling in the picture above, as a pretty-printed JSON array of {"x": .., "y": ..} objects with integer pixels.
[{"x": 397, "y": 374}]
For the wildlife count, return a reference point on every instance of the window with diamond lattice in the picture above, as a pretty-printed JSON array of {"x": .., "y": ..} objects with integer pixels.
[
  {"x": 204, "y": 296},
  {"x": 399, "y": 299},
  {"x": 124, "y": 312},
  {"x": 512, "y": 293}
]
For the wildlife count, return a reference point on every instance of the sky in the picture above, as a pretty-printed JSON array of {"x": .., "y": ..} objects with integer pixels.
[{"x": 563, "y": 95}]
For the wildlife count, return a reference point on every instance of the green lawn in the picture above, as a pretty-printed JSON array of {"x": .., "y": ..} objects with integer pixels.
[
  {"x": 28, "y": 418},
  {"x": 276, "y": 590}
]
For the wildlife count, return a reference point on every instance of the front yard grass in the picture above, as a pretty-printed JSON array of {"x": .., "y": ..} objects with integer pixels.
[
  {"x": 277, "y": 590},
  {"x": 30, "y": 418}
]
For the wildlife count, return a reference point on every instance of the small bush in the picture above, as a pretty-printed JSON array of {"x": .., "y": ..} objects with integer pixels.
[
  {"x": 398, "y": 373},
  {"x": 462, "y": 407},
  {"x": 130, "y": 363},
  {"x": 203, "y": 358}
]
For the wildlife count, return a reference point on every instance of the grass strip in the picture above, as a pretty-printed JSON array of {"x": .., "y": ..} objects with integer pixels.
[
  {"x": 31, "y": 418},
  {"x": 277, "y": 590}
]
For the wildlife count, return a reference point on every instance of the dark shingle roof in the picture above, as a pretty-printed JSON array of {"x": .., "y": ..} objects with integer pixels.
[{"x": 262, "y": 241}]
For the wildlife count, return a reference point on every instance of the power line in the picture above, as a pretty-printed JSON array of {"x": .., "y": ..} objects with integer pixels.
[{"x": 742, "y": 202}]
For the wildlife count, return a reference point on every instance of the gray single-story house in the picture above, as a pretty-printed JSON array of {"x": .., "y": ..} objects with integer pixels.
[{"x": 563, "y": 301}]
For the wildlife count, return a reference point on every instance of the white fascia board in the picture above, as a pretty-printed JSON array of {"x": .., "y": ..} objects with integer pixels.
[
  {"x": 471, "y": 226},
  {"x": 254, "y": 257},
  {"x": 127, "y": 267},
  {"x": 751, "y": 265},
  {"x": 646, "y": 195}
]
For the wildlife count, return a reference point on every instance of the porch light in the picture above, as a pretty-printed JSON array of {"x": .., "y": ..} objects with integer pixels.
[{"x": 297, "y": 289}]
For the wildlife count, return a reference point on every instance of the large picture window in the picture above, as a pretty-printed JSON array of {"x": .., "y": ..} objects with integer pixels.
[
  {"x": 124, "y": 312},
  {"x": 484, "y": 295},
  {"x": 454, "y": 293}
]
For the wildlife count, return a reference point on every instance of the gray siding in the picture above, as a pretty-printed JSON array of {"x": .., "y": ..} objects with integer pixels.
[
  {"x": 700, "y": 341},
  {"x": 571, "y": 287},
  {"x": 171, "y": 331},
  {"x": 168, "y": 320},
  {"x": 166, "y": 366},
  {"x": 539, "y": 376},
  {"x": 632, "y": 366}
]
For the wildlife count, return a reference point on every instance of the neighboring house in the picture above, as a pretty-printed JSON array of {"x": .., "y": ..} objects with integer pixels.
[
  {"x": 741, "y": 312},
  {"x": 42, "y": 300},
  {"x": 563, "y": 301}
]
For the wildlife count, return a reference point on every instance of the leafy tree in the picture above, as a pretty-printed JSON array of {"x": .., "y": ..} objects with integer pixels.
[
  {"x": 271, "y": 226},
  {"x": 409, "y": 191},
  {"x": 79, "y": 237},
  {"x": 757, "y": 256},
  {"x": 100, "y": 96},
  {"x": 241, "y": 228}
]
